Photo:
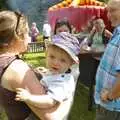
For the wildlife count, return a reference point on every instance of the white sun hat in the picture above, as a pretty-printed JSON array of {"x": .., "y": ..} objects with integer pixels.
[{"x": 68, "y": 43}]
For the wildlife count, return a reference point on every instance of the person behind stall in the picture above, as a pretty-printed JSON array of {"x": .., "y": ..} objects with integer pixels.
[
  {"x": 99, "y": 35},
  {"x": 34, "y": 32},
  {"x": 58, "y": 81},
  {"x": 62, "y": 25},
  {"x": 94, "y": 44}
]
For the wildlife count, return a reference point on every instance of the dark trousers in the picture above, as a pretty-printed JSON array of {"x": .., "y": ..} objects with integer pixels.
[
  {"x": 104, "y": 114},
  {"x": 32, "y": 116}
]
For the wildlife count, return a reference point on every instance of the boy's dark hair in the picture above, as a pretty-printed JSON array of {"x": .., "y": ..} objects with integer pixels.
[{"x": 61, "y": 22}]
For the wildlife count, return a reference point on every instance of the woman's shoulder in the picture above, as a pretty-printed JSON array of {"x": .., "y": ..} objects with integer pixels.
[
  {"x": 14, "y": 74},
  {"x": 20, "y": 75},
  {"x": 18, "y": 63},
  {"x": 16, "y": 69}
]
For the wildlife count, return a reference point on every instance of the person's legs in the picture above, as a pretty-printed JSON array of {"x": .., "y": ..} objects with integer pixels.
[
  {"x": 33, "y": 39},
  {"x": 103, "y": 114},
  {"x": 32, "y": 116}
]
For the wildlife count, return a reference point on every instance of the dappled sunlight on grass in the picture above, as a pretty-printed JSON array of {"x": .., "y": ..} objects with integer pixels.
[{"x": 35, "y": 59}]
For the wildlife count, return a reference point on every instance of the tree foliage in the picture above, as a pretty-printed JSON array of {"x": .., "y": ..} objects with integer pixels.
[
  {"x": 103, "y": 1},
  {"x": 2, "y": 4}
]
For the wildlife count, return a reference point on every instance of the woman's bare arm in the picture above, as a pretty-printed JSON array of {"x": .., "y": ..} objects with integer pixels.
[
  {"x": 40, "y": 101},
  {"x": 108, "y": 33},
  {"x": 19, "y": 75}
]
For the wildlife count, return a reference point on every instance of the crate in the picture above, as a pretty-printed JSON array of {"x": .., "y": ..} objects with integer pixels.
[{"x": 34, "y": 47}]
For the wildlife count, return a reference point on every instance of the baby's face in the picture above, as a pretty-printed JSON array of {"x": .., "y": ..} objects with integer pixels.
[{"x": 57, "y": 60}]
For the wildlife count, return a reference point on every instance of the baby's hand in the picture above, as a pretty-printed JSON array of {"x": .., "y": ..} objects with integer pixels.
[
  {"x": 104, "y": 95},
  {"x": 22, "y": 94}
]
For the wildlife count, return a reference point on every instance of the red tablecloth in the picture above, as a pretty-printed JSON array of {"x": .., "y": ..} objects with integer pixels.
[{"x": 78, "y": 17}]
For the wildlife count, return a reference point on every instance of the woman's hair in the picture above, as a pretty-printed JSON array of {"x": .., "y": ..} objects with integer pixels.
[
  {"x": 61, "y": 22},
  {"x": 13, "y": 25}
]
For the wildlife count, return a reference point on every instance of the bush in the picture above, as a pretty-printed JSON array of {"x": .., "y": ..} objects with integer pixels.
[{"x": 39, "y": 38}]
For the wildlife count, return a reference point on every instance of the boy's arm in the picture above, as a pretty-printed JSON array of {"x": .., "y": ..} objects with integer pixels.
[{"x": 41, "y": 101}]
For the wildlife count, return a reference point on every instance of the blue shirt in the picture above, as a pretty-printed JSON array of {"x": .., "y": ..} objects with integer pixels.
[
  {"x": 107, "y": 70},
  {"x": 59, "y": 87}
]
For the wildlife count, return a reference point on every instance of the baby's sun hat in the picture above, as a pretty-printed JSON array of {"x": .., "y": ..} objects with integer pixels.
[{"x": 68, "y": 43}]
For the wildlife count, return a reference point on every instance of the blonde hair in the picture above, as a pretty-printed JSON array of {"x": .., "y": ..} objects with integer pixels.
[{"x": 13, "y": 25}]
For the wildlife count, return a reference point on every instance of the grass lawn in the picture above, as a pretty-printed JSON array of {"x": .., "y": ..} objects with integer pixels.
[{"x": 79, "y": 109}]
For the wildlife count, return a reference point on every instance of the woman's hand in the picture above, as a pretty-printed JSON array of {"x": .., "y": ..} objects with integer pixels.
[{"x": 22, "y": 94}]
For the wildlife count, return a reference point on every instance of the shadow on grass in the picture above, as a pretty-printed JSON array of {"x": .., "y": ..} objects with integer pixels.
[
  {"x": 32, "y": 58},
  {"x": 79, "y": 109}
]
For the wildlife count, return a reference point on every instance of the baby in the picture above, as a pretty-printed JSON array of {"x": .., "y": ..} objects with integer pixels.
[{"x": 57, "y": 80}]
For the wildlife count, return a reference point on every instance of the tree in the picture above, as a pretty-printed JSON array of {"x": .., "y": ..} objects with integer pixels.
[{"x": 2, "y": 4}]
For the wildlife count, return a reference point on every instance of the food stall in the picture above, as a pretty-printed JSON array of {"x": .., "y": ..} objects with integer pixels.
[{"x": 78, "y": 12}]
